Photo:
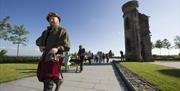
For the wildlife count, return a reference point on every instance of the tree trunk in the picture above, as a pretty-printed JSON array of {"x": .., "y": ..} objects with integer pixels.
[
  {"x": 168, "y": 52},
  {"x": 17, "y": 50}
]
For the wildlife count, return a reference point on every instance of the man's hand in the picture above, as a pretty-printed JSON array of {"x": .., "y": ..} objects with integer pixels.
[{"x": 53, "y": 51}]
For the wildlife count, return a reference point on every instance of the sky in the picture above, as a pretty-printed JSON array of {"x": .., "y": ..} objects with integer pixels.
[{"x": 96, "y": 24}]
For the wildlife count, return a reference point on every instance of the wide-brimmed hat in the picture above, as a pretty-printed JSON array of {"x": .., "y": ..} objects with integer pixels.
[{"x": 52, "y": 14}]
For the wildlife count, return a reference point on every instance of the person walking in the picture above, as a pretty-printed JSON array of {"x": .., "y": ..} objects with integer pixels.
[
  {"x": 107, "y": 58},
  {"x": 81, "y": 55},
  {"x": 89, "y": 57},
  {"x": 122, "y": 56},
  {"x": 52, "y": 43}
]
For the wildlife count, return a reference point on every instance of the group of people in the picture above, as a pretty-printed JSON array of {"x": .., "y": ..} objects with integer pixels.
[
  {"x": 54, "y": 44},
  {"x": 100, "y": 57}
]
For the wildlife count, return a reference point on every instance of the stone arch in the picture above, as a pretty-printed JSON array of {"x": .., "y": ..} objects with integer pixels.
[
  {"x": 136, "y": 28},
  {"x": 127, "y": 23},
  {"x": 128, "y": 44}
]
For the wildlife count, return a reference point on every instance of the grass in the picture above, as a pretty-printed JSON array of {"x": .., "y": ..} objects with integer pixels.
[
  {"x": 13, "y": 71},
  {"x": 164, "y": 78},
  {"x": 166, "y": 57}
]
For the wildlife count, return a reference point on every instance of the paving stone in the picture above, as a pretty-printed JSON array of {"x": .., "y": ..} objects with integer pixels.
[{"x": 92, "y": 78}]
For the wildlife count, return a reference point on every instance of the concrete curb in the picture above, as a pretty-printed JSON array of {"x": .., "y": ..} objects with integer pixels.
[
  {"x": 132, "y": 80},
  {"x": 126, "y": 82}
]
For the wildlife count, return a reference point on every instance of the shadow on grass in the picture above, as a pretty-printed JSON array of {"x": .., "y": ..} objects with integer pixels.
[
  {"x": 171, "y": 72},
  {"x": 27, "y": 70}
]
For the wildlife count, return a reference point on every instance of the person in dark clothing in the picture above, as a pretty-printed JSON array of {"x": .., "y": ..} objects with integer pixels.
[
  {"x": 103, "y": 57},
  {"x": 107, "y": 58},
  {"x": 122, "y": 56},
  {"x": 81, "y": 55},
  {"x": 96, "y": 58},
  {"x": 52, "y": 43},
  {"x": 89, "y": 57}
]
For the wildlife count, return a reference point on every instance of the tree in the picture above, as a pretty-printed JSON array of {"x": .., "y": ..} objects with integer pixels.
[
  {"x": 177, "y": 42},
  {"x": 18, "y": 36},
  {"x": 152, "y": 45},
  {"x": 5, "y": 28},
  {"x": 159, "y": 45},
  {"x": 73, "y": 55},
  {"x": 166, "y": 44},
  {"x": 3, "y": 52}
]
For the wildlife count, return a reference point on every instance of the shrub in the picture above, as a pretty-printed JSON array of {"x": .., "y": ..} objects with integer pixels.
[
  {"x": 10, "y": 59},
  {"x": 3, "y": 52}
]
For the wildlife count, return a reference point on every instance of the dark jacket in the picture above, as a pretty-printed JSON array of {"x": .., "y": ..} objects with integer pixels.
[
  {"x": 81, "y": 53},
  {"x": 52, "y": 38},
  {"x": 55, "y": 38}
]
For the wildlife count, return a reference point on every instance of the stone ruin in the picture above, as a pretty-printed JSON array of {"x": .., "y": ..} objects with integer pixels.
[{"x": 137, "y": 34}]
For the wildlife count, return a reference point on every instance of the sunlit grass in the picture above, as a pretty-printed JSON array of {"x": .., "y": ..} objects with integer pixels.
[
  {"x": 13, "y": 71},
  {"x": 164, "y": 78}
]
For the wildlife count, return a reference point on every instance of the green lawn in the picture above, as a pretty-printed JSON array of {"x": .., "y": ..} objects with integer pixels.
[
  {"x": 13, "y": 71},
  {"x": 164, "y": 78}
]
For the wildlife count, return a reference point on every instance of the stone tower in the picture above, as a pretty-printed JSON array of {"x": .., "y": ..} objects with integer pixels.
[{"x": 137, "y": 34}]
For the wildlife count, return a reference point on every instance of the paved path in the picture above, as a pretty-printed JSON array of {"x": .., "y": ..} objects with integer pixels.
[
  {"x": 169, "y": 64},
  {"x": 93, "y": 78}
]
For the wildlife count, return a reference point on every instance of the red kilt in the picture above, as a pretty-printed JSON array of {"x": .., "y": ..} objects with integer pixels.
[{"x": 49, "y": 70}]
